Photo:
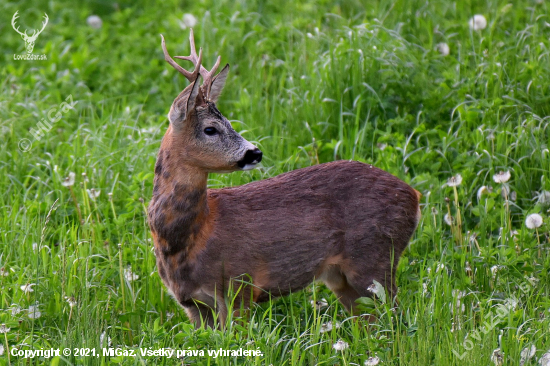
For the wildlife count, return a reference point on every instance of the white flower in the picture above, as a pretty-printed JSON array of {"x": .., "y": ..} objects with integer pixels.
[
  {"x": 527, "y": 354},
  {"x": 483, "y": 190},
  {"x": 511, "y": 303},
  {"x": 4, "y": 329},
  {"x": 94, "y": 21},
  {"x": 28, "y": 287},
  {"x": 497, "y": 357},
  {"x": 189, "y": 21},
  {"x": 129, "y": 275},
  {"x": 372, "y": 361},
  {"x": 34, "y": 247},
  {"x": 33, "y": 312},
  {"x": 327, "y": 327},
  {"x": 494, "y": 270},
  {"x": 543, "y": 198},
  {"x": 454, "y": 181},
  {"x": 103, "y": 337},
  {"x": 319, "y": 304},
  {"x": 93, "y": 193},
  {"x": 72, "y": 301},
  {"x": 4, "y": 272},
  {"x": 377, "y": 289},
  {"x": 15, "y": 310},
  {"x": 448, "y": 219},
  {"x": 533, "y": 221},
  {"x": 502, "y": 177},
  {"x": 443, "y": 49},
  {"x": 340, "y": 345},
  {"x": 545, "y": 359},
  {"x": 69, "y": 181},
  {"x": 477, "y": 22}
]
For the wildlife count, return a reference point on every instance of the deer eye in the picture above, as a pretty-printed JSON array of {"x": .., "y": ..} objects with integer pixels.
[{"x": 210, "y": 131}]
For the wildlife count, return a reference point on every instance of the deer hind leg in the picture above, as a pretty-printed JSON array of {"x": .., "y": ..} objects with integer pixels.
[
  {"x": 203, "y": 314},
  {"x": 337, "y": 282}
]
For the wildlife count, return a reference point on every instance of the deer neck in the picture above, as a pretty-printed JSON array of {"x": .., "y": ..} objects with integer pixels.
[{"x": 178, "y": 210}]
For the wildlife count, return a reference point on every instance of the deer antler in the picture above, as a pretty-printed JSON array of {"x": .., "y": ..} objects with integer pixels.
[
  {"x": 15, "y": 16},
  {"x": 196, "y": 60},
  {"x": 207, "y": 76},
  {"x": 35, "y": 34}
]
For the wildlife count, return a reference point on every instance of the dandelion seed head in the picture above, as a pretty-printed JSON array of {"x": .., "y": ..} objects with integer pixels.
[
  {"x": 319, "y": 304},
  {"x": 27, "y": 288},
  {"x": 94, "y": 21},
  {"x": 545, "y": 359},
  {"x": 340, "y": 345},
  {"x": 34, "y": 313},
  {"x": 527, "y": 354},
  {"x": 188, "y": 21},
  {"x": 454, "y": 181},
  {"x": 497, "y": 357},
  {"x": 93, "y": 193},
  {"x": 502, "y": 177},
  {"x": 129, "y": 275},
  {"x": 69, "y": 181},
  {"x": 448, "y": 219},
  {"x": 4, "y": 329},
  {"x": 477, "y": 22},
  {"x": 533, "y": 221},
  {"x": 543, "y": 198},
  {"x": 443, "y": 49},
  {"x": 372, "y": 361}
]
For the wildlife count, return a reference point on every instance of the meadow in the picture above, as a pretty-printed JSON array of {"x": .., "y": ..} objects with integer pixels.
[{"x": 457, "y": 110}]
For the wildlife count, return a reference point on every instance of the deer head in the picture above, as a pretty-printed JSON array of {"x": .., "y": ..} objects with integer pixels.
[
  {"x": 29, "y": 40},
  {"x": 200, "y": 134}
]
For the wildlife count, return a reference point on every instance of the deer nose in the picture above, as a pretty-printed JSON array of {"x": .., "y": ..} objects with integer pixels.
[{"x": 251, "y": 157}]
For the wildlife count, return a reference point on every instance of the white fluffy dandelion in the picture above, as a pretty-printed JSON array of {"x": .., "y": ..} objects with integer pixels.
[
  {"x": 497, "y": 357},
  {"x": 319, "y": 304},
  {"x": 527, "y": 354},
  {"x": 327, "y": 327},
  {"x": 502, "y": 177},
  {"x": 340, "y": 345},
  {"x": 454, "y": 181},
  {"x": 545, "y": 359},
  {"x": 27, "y": 288},
  {"x": 448, "y": 219},
  {"x": 372, "y": 361},
  {"x": 34, "y": 313},
  {"x": 129, "y": 275},
  {"x": 477, "y": 22},
  {"x": 533, "y": 221},
  {"x": 94, "y": 21},
  {"x": 443, "y": 48},
  {"x": 69, "y": 181},
  {"x": 4, "y": 329},
  {"x": 93, "y": 193},
  {"x": 188, "y": 21}
]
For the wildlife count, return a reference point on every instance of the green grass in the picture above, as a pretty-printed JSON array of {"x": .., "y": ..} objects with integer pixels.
[{"x": 310, "y": 81}]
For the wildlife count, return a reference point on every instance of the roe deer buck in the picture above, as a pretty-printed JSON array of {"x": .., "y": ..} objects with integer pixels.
[{"x": 345, "y": 223}]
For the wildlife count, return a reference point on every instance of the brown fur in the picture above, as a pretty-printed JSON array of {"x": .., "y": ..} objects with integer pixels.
[{"x": 345, "y": 223}]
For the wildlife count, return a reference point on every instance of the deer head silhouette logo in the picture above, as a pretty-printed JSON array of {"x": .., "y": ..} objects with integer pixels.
[{"x": 29, "y": 40}]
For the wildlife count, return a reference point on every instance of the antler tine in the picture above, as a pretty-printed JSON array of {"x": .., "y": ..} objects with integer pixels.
[
  {"x": 206, "y": 75},
  {"x": 191, "y": 76}
]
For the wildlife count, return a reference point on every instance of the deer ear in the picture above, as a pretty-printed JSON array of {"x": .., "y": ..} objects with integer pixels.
[
  {"x": 185, "y": 102},
  {"x": 218, "y": 83}
]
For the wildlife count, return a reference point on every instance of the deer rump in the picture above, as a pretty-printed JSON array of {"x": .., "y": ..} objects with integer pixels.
[{"x": 345, "y": 223}]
